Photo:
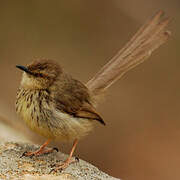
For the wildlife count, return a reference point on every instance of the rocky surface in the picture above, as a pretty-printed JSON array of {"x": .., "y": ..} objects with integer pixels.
[{"x": 13, "y": 166}]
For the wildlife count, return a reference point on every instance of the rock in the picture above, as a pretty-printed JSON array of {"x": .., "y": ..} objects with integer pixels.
[{"x": 13, "y": 166}]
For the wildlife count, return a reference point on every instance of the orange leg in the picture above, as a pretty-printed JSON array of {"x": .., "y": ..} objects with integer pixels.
[
  {"x": 41, "y": 150},
  {"x": 68, "y": 161}
]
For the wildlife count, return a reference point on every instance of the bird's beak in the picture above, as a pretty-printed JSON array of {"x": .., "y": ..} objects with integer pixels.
[{"x": 23, "y": 68}]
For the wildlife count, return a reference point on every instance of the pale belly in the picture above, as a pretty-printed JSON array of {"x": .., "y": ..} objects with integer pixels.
[{"x": 42, "y": 118}]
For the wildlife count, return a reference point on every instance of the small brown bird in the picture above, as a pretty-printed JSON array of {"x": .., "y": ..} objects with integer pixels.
[{"x": 55, "y": 105}]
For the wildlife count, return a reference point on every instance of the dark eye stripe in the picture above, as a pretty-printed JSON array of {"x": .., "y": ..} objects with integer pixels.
[{"x": 40, "y": 75}]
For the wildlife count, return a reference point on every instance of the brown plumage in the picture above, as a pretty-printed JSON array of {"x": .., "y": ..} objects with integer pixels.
[{"x": 54, "y": 104}]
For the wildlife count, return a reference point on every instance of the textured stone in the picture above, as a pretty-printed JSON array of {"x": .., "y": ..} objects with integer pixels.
[{"x": 38, "y": 168}]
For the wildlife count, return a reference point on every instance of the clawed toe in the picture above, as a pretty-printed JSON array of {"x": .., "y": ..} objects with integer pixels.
[
  {"x": 56, "y": 149},
  {"x": 59, "y": 168},
  {"x": 27, "y": 154},
  {"x": 55, "y": 170},
  {"x": 53, "y": 165},
  {"x": 24, "y": 154},
  {"x": 77, "y": 159},
  {"x": 38, "y": 152},
  {"x": 63, "y": 166}
]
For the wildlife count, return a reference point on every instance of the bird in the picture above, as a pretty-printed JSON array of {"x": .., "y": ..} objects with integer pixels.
[{"x": 55, "y": 105}]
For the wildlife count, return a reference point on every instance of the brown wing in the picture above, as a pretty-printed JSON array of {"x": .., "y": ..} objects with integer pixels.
[
  {"x": 74, "y": 99},
  {"x": 88, "y": 111}
]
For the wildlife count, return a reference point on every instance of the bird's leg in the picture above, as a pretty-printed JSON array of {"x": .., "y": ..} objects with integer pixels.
[
  {"x": 41, "y": 150},
  {"x": 69, "y": 160}
]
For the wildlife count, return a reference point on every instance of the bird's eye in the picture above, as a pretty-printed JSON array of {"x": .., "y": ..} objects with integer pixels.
[{"x": 38, "y": 75}]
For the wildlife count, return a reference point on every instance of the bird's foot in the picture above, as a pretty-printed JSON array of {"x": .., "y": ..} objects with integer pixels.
[
  {"x": 39, "y": 152},
  {"x": 64, "y": 165}
]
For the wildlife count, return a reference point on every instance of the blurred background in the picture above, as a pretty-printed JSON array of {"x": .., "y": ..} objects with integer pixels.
[{"x": 141, "y": 140}]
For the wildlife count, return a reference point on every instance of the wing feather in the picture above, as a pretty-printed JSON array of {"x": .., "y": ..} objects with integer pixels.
[{"x": 75, "y": 100}]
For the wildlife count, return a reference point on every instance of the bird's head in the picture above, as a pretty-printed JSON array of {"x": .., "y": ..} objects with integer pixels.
[{"x": 40, "y": 74}]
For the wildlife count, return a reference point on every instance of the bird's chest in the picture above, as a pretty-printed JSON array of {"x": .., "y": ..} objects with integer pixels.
[
  {"x": 32, "y": 106},
  {"x": 28, "y": 104}
]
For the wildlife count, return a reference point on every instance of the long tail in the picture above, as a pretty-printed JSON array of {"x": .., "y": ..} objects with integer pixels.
[{"x": 148, "y": 38}]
